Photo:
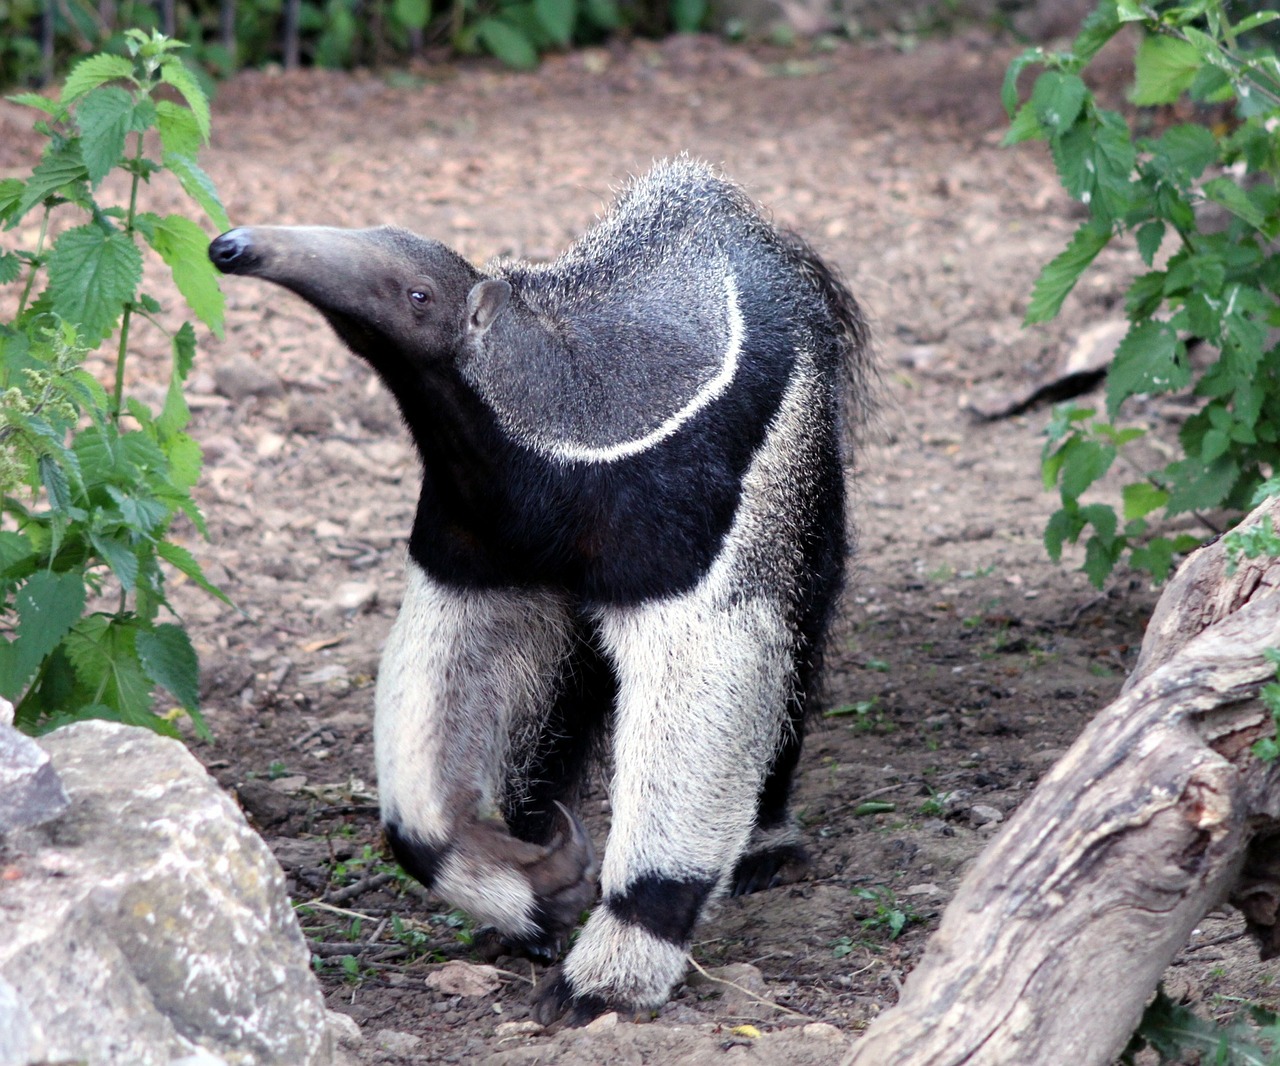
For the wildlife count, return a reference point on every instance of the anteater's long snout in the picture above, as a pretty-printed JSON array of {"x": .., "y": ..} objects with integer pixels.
[{"x": 235, "y": 252}]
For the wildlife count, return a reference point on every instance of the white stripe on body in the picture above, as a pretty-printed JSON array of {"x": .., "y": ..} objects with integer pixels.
[
  {"x": 461, "y": 668},
  {"x": 705, "y": 683},
  {"x": 567, "y": 451}
]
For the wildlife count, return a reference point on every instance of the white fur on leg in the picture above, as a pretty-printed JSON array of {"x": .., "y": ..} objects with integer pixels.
[
  {"x": 623, "y": 963},
  {"x": 462, "y": 670}
]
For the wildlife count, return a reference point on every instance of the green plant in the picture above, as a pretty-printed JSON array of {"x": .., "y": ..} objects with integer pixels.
[
  {"x": 92, "y": 482},
  {"x": 1174, "y": 1031},
  {"x": 1201, "y": 203},
  {"x": 887, "y": 915}
]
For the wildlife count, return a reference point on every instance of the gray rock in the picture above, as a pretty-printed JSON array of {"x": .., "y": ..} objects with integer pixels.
[
  {"x": 30, "y": 792},
  {"x": 150, "y": 924}
]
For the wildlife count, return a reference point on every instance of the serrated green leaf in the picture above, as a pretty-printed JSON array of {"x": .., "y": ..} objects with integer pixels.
[
  {"x": 1196, "y": 486},
  {"x": 184, "y": 351},
  {"x": 1164, "y": 69},
  {"x": 186, "y": 460},
  {"x": 103, "y": 652},
  {"x": 1226, "y": 192},
  {"x": 557, "y": 18},
  {"x": 54, "y": 480},
  {"x": 10, "y": 268},
  {"x": 507, "y": 43},
  {"x": 104, "y": 117},
  {"x": 1183, "y": 152},
  {"x": 143, "y": 513},
  {"x": 182, "y": 560},
  {"x": 1099, "y": 26},
  {"x": 1099, "y": 560},
  {"x": 1009, "y": 87},
  {"x": 1057, "y": 99},
  {"x": 119, "y": 555},
  {"x": 1150, "y": 237},
  {"x": 47, "y": 606},
  {"x": 1141, "y": 498},
  {"x": 1024, "y": 127},
  {"x": 1060, "y": 275},
  {"x": 1062, "y": 528},
  {"x": 170, "y": 661},
  {"x": 1085, "y": 461},
  {"x": 1150, "y": 359},
  {"x": 93, "y": 273},
  {"x": 96, "y": 70},
  {"x": 1155, "y": 557},
  {"x": 414, "y": 14},
  {"x": 57, "y": 170},
  {"x": 41, "y": 103},
  {"x": 11, "y": 190},
  {"x": 184, "y": 247},
  {"x": 174, "y": 72},
  {"x": 199, "y": 186},
  {"x": 179, "y": 129},
  {"x": 18, "y": 555}
]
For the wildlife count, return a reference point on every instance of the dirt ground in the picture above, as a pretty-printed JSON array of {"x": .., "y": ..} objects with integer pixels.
[{"x": 964, "y": 662}]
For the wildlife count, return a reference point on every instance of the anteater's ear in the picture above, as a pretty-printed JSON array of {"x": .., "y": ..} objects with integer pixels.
[{"x": 485, "y": 303}]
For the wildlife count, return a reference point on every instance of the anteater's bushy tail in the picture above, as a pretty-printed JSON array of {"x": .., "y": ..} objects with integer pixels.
[{"x": 855, "y": 352}]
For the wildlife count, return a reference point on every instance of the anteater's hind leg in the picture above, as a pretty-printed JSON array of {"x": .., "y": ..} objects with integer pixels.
[
  {"x": 461, "y": 668},
  {"x": 549, "y": 761}
]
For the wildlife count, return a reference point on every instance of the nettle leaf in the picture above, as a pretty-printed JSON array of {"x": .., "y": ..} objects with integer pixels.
[
  {"x": 93, "y": 273},
  {"x": 1226, "y": 192},
  {"x": 184, "y": 247},
  {"x": 1164, "y": 69},
  {"x": 10, "y": 268},
  {"x": 1057, "y": 99},
  {"x": 179, "y": 129},
  {"x": 1095, "y": 160},
  {"x": 174, "y": 72},
  {"x": 1150, "y": 237},
  {"x": 1084, "y": 462},
  {"x": 58, "y": 169},
  {"x": 198, "y": 185},
  {"x": 119, "y": 555},
  {"x": 97, "y": 70},
  {"x": 168, "y": 658},
  {"x": 1150, "y": 359},
  {"x": 178, "y": 557},
  {"x": 104, "y": 655},
  {"x": 1141, "y": 498},
  {"x": 104, "y": 118},
  {"x": 1060, "y": 274},
  {"x": 1183, "y": 152},
  {"x": 1023, "y": 127},
  {"x": 47, "y": 606}
]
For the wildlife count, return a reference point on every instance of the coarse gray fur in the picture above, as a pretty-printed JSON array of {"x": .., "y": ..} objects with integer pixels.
[{"x": 681, "y": 337}]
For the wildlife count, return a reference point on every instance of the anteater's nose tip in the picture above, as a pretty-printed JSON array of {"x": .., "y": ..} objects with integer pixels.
[{"x": 233, "y": 252}]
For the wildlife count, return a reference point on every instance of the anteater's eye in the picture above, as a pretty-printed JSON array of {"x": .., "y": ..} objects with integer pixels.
[{"x": 421, "y": 297}]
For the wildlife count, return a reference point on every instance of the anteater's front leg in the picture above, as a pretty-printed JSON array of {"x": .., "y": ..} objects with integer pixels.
[
  {"x": 462, "y": 669},
  {"x": 702, "y": 697}
]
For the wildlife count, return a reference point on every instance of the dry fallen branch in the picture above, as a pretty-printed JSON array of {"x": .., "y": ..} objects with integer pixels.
[{"x": 1058, "y": 935}]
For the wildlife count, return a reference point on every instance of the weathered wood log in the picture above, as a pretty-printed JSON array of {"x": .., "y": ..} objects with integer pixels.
[{"x": 1058, "y": 935}]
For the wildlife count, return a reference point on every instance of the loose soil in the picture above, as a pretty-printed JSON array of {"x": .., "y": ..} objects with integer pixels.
[{"x": 964, "y": 662}]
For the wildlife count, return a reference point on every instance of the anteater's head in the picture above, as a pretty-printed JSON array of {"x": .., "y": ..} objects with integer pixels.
[{"x": 397, "y": 299}]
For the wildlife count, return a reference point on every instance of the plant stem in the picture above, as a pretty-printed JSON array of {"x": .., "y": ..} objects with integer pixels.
[
  {"x": 117, "y": 399},
  {"x": 35, "y": 261}
]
